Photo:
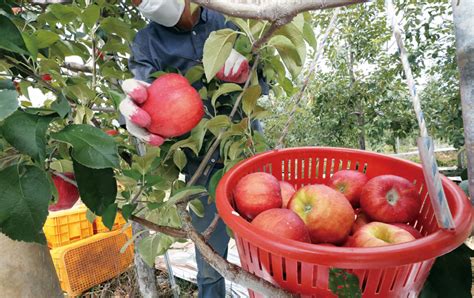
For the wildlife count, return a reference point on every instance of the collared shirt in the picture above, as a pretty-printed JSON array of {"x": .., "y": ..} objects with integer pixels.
[{"x": 158, "y": 47}]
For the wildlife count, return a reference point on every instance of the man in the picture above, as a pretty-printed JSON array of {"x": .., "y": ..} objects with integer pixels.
[{"x": 174, "y": 40}]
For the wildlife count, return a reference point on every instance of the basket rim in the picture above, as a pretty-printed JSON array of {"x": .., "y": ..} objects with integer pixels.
[{"x": 426, "y": 248}]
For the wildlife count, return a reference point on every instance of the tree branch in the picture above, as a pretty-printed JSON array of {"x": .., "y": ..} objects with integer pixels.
[
  {"x": 77, "y": 67},
  {"x": 271, "y": 10},
  {"x": 227, "y": 270},
  {"x": 173, "y": 232},
  {"x": 65, "y": 178},
  {"x": 208, "y": 232}
]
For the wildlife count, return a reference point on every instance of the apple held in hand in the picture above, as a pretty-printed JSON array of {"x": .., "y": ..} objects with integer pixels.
[
  {"x": 390, "y": 199},
  {"x": 174, "y": 106},
  {"x": 326, "y": 212},
  {"x": 282, "y": 222},
  {"x": 255, "y": 193},
  {"x": 68, "y": 194},
  {"x": 349, "y": 183},
  {"x": 287, "y": 191},
  {"x": 379, "y": 234}
]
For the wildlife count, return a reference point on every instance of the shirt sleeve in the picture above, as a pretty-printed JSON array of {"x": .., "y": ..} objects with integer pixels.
[{"x": 140, "y": 63}]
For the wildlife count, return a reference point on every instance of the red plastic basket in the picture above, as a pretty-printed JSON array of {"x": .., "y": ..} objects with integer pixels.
[{"x": 390, "y": 271}]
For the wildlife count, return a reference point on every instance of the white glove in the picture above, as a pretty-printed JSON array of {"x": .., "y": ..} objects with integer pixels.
[
  {"x": 163, "y": 12},
  {"x": 236, "y": 68},
  {"x": 136, "y": 119}
]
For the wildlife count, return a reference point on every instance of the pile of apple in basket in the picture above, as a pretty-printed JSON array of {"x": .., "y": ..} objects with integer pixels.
[{"x": 350, "y": 211}]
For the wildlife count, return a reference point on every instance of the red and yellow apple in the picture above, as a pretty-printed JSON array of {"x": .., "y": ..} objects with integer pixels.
[
  {"x": 282, "y": 222},
  {"x": 68, "y": 194},
  {"x": 287, "y": 191},
  {"x": 349, "y": 183},
  {"x": 414, "y": 232},
  {"x": 326, "y": 212},
  {"x": 390, "y": 199},
  {"x": 379, "y": 234},
  {"x": 174, "y": 106},
  {"x": 255, "y": 193}
]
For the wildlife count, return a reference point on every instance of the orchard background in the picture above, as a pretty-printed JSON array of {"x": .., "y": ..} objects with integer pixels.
[{"x": 76, "y": 56}]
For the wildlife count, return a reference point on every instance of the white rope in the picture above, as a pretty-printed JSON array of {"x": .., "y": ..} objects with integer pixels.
[{"x": 425, "y": 143}]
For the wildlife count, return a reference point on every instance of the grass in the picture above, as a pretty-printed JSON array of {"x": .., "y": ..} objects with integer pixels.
[{"x": 126, "y": 285}]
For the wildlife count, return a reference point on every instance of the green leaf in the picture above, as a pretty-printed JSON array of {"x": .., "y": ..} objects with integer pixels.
[
  {"x": 292, "y": 32},
  {"x": 11, "y": 37},
  {"x": 62, "y": 166},
  {"x": 179, "y": 159},
  {"x": 30, "y": 44},
  {"x": 64, "y": 13},
  {"x": 61, "y": 106},
  {"x": 450, "y": 275},
  {"x": 108, "y": 217},
  {"x": 288, "y": 52},
  {"x": 216, "y": 177},
  {"x": 195, "y": 73},
  {"x": 115, "y": 44},
  {"x": 8, "y": 103},
  {"x": 27, "y": 133},
  {"x": 91, "y": 146},
  {"x": 152, "y": 246},
  {"x": 343, "y": 284},
  {"x": 197, "y": 135},
  {"x": 216, "y": 50},
  {"x": 309, "y": 36},
  {"x": 143, "y": 163},
  {"x": 44, "y": 38},
  {"x": 91, "y": 15},
  {"x": 186, "y": 192},
  {"x": 24, "y": 197},
  {"x": 116, "y": 26},
  {"x": 127, "y": 210},
  {"x": 224, "y": 89},
  {"x": 90, "y": 216},
  {"x": 97, "y": 187},
  {"x": 197, "y": 207},
  {"x": 217, "y": 123},
  {"x": 249, "y": 99}
]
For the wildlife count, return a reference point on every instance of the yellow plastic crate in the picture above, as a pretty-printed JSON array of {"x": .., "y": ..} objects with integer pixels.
[
  {"x": 92, "y": 261},
  {"x": 118, "y": 224},
  {"x": 66, "y": 227}
]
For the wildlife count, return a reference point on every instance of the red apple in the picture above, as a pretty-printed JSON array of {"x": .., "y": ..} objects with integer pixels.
[
  {"x": 174, "y": 106},
  {"x": 112, "y": 132},
  {"x": 46, "y": 77},
  {"x": 287, "y": 191},
  {"x": 414, "y": 232},
  {"x": 282, "y": 222},
  {"x": 349, "y": 183},
  {"x": 326, "y": 212},
  {"x": 380, "y": 234},
  {"x": 68, "y": 194},
  {"x": 361, "y": 220},
  {"x": 255, "y": 193},
  {"x": 390, "y": 199}
]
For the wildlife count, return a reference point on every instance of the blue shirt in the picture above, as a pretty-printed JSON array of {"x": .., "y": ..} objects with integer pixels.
[{"x": 158, "y": 47}]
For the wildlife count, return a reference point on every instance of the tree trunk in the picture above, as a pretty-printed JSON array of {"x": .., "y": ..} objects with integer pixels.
[
  {"x": 146, "y": 277},
  {"x": 26, "y": 270},
  {"x": 463, "y": 12}
]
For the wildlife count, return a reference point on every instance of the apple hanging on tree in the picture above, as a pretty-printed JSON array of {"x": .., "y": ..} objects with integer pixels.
[{"x": 68, "y": 194}]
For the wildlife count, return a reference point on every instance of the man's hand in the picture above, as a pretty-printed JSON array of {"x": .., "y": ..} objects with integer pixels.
[
  {"x": 137, "y": 119},
  {"x": 236, "y": 69}
]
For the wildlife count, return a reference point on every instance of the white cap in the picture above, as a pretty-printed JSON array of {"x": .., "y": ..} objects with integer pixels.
[{"x": 163, "y": 12}]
